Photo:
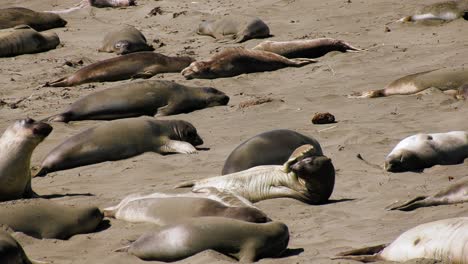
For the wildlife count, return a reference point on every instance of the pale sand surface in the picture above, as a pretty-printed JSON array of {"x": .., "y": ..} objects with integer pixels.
[{"x": 371, "y": 127}]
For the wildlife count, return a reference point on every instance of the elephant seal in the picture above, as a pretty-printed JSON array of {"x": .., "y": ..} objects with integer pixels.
[
  {"x": 276, "y": 147},
  {"x": 15, "y": 16},
  {"x": 442, "y": 11},
  {"x": 11, "y": 252},
  {"x": 25, "y": 40},
  {"x": 17, "y": 144},
  {"x": 306, "y": 176},
  {"x": 143, "y": 64},
  {"x": 121, "y": 139},
  {"x": 443, "y": 240},
  {"x": 448, "y": 80},
  {"x": 422, "y": 151},
  {"x": 41, "y": 218},
  {"x": 242, "y": 240},
  {"x": 111, "y": 3},
  {"x": 134, "y": 99},
  {"x": 125, "y": 40},
  {"x": 306, "y": 48},
  {"x": 235, "y": 61},
  {"x": 236, "y": 28}
]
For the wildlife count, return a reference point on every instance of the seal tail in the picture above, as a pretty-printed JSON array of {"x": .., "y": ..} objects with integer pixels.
[
  {"x": 367, "y": 254},
  {"x": 62, "y": 82},
  {"x": 351, "y": 48},
  {"x": 408, "y": 205},
  {"x": 186, "y": 184},
  {"x": 368, "y": 163},
  {"x": 368, "y": 94}
]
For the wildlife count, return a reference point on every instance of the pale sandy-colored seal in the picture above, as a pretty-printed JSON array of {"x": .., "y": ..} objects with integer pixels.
[
  {"x": 242, "y": 240},
  {"x": 150, "y": 98},
  {"x": 448, "y": 80},
  {"x": 143, "y": 64},
  {"x": 442, "y": 11},
  {"x": 121, "y": 139},
  {"x": 15, "y": 16},
  {"x": 16, "y": 146},
  {"x": 125, "y": 40},
  {"x": 11, "y": 252},
  {"x": 236, "y": 28},
  {"x": 25, "y": 40},
  {"x": 305, "y": 48},
  {"x": 235, "y": 61},
  {"x": 422, "y": 151},
  {"x": 41, "y": 218},
  {"x": 444, "y": 240},
  {"x": 276, "y": 147},
  {"x": 306, "y": 176}
]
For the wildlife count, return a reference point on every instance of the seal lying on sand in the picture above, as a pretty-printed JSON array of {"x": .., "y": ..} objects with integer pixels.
[
  {"x": 25, "y": 40},
  {"x": 443, "y": 240},
  {"x": 125, "y": 40},
  {"x": 41, "y": 218},
  {"x": 443, "y": 11},
  {"x": 96, "y": 3},
  {"x": 244, "y": 241},
  {"x": 422, "y": 151},
  {"x": 15, "y": 16},
  {"x": 305, "y": 176},
  {"x": 16, "y": 146},
  {"x": 276, "y": 147},
  {"x": 11, "y": 252},
  {"x": 121, "y": 139},
  {"x": 235, "y": 61},
  {"x": 142, "y": 98},
  {"x": 238, "y": 28},
  {"x": 143, "y": 64}
]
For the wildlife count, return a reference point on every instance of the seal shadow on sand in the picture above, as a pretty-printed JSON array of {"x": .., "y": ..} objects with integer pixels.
[{"x": 61, "y": 195}]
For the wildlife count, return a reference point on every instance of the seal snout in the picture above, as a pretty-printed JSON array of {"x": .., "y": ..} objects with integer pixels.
[{"x": 42, "y": 129}]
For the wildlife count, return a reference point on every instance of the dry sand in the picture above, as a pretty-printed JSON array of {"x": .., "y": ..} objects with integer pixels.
[{"x": 371, "y": 127}]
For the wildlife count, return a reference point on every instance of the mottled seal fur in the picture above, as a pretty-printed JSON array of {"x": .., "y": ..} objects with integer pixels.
[
  {"x": 11, "y": 252},
  {"x": 236, "y": 28},
  {"x": 124, "y": 40},
  {"x": 442, "y": 11},
  {"x": 25, "y": 40},
  {"x": 15, "y": 16}
]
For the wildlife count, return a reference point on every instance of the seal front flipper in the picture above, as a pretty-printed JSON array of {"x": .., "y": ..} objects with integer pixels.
[
  {"x": 175, "y": 146},
  {"x": 303, "y": 61},
  {"x": 165, "y": 110},
  {"x": 143, "y": 75}
]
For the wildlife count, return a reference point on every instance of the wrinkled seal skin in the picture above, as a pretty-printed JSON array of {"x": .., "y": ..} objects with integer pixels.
[
  {"x": 41, "y": 218},
  {"x": 121, "y": 139},
  {"x": 240, "y": 28},
  {"x": 244, "y": 241},
  {"x": 16, "y": 147},
  {"x": 442, "y": 11},
  {"x": 112, "y": 3},
  {"x": 15, "y": 16},
  {"x": 235, "y": 61},
  {"x": 143, "y": 64},
  {"x": 134, "y": 99},
  {"x": 25, "y": 40},
  {"x": 11, "y": 252},
  {"x": 125, "y": 40},
  {"x": 422, "y": 151},
  {"x": 276, "y": 147}
]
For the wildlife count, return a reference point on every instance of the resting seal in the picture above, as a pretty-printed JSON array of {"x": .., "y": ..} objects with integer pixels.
[
  {"x": 422, "y": 151},
  {"x": 443, "y": 11},
  {"x": 17, "y": 144},
  {"x": 15, "y": 16},
  {"x": 244, "y": 241},
  {"x": 121, "y": 139},
  {"x": 111, "y": 3},
  {"x": 238, "y": 28},
  {"x": 125, "y": 40},
  {"x": 276, "y": 147},
  {"x": 134, "y": 99},
  {"x": 11, "y": 252},
  {"x": 25, "y": 40},
  {"x": 235, "y": 61},
  {"x": 143, "y": 64}
]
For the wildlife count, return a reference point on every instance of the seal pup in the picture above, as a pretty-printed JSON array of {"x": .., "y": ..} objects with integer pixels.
[
  {"x": 242, "y": 240},
  {"x": 96, "y": 3},
  {"x": 25, "y": 40},
  {"x": 11, "y": 252},
  {"x": 143, "y": 64},
  {"x": 154, "y": 97},
  {"x": 422, "y": 151},
  {"x": 122, "y": 139},
  {"x": 235, "y": 61},
  {"x": 306, "y": 48},
  {"x": 276, "y": 147},
  {"x": 16, "y": 146},
  {"x": 443, "y": 240},
  {"x": 448, "y": 80},
  {"x": 306, "y": 176},
  {"x": 15, "y": 16},
  {"x": 236, "y": 28},
  {"x": 442, "y": 11},
  {"x": 41, "y": 218},
  {"x": 125, "y": 40}
]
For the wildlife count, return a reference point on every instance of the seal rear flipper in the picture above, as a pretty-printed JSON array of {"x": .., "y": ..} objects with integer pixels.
[
  {"x": 366, "y": 254},
  {"x": 186, "y": 184},
  {"x": 175, "y": 146},
  {"x": 62, "y": 82},
  {"x": 368, "y": 94},
  {"x": 299, "y": 62},
  {"x": 143, "y": 75},
  {"x": 41, "y": 173},
  {"x": 123, "y": 249},
  {"x": 409, "y": 205}
]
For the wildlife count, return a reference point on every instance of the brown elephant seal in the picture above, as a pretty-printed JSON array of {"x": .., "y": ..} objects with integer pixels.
[
  {"x": 41, "y": 218},
  {"x": 17, "y": 144},
  {"x": 125, "y": 40},
  {"x": 112, "y": 3},
  {"x": 11, "y": 252},
  {"x": 306, "y": 48},
  {"x": 306, "y": 176},
  {"x": 121, "y": 139},
  {"x": 15, "y": 16},
  {"x": 422, "y": 151},
  {"x": 448, "y": 80},
  {"x": 143, "y": 64},
  {"x": 160, "y": 98},
  {"x": 443, "y": 240},
  {"x": 236, "y": 28},
  {"x": 276, "y": 147},
  {"x": 25, "y": 40},
  {"x": 442, "y": 11},
  {"x": 242, "y": 240},
  {"x": 235, "y": 61}
]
